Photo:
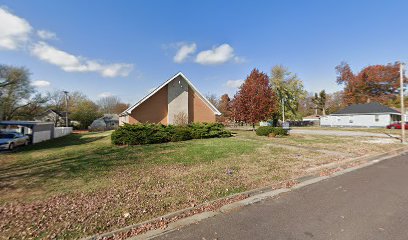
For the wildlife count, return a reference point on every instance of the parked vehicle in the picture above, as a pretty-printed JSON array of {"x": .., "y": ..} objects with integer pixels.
[
  {"x": 10, "y": 140},
  {"x": 397, "y": 126}
]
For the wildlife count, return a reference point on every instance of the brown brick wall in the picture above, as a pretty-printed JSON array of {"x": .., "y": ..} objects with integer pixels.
[
  {"x": 153, "y": 110},
  {"x": 198, "y": 110},
  {"x": 190, "y": 105}
]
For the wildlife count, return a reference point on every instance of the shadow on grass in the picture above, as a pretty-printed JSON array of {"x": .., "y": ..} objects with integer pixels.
[
  {"x": 50, "y": 169},
  {"x": 57, "y": 164},
  {"x": 25, "y": 175},
  {"x": 69, "y": 140}
]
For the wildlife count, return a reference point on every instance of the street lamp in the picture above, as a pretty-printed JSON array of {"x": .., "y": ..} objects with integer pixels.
[
  {"x": 402, "y": 103},
  {"x": 66, "y": 108},
  {"x": 1, "y": 94}
]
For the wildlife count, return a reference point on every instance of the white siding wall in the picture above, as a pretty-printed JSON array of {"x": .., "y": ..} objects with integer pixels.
[
  {"x": 177, "y": 98},
  {"x": 123, "y": 120},
  {"x": 356, "y": 120},
  {"x": 62, "y": 131},
  {"x": 41, "y": 136}
]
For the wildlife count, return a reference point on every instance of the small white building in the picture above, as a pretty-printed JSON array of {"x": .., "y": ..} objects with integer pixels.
[{"x": 362, "y": 115}]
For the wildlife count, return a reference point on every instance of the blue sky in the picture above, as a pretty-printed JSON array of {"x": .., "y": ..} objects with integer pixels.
[{"x": 125, "y": 48}]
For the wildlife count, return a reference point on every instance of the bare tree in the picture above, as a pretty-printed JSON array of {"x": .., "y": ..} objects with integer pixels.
[
  {"x": 335, "y": 102},
  {"x": 56, "y": 100},
  {"x": 306, "y": 105},
  {"x": 111, "y": 104},
  {"x": 213, "y": 99},
  {"x": 181, "y": 119},
  {"x": 17, "y": 95}
]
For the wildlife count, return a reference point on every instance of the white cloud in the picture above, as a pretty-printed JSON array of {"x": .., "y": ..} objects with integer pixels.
[
  {"x": 14, "y": 31},
  {"x": 217, "y": 55},
  {"x": 72, "y": 63},
  {"x": 40, "y": 83},
  {"x": 184, "y": 51},
  {"x": 116, "y": 69},
  {"x": 234, "y": 83},
  {"x": 54, "y": 56},
  {"x": 239, "y": 59},
  {"x": 44, "y": 34},
  {"x": 105, "y": 94}
]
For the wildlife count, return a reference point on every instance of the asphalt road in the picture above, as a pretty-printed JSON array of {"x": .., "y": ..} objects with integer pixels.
[{"x": 369, "y": 203}]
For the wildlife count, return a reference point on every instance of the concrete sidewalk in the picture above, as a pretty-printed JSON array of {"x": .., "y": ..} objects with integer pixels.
[{"x": 369, "y": 203}]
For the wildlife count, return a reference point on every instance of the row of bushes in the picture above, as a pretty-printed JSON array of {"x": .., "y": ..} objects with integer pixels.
[
  {"x": 139, "y": 134},
  {"x": 274, "y": 131}
]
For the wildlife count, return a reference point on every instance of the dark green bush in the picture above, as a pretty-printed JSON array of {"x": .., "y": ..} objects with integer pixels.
[
  {"x": 208, "y": 130},
  {"x": 280, "y": 131},
  {"x": 267, "y": 130},
  {"x": 180, "y": 134},
  {"x": 139, "y": 134},
  {"x": 264, "y": 131}
]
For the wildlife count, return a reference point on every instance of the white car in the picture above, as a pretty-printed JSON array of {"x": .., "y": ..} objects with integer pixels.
[{"x": 10, "y": 140}]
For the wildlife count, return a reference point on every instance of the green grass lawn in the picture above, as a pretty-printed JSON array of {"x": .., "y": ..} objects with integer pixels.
[{"x": 81, "y": 184}]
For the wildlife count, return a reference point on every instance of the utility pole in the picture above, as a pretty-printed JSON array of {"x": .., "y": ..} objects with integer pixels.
[
  {"x": 66, "y": 108},
  {"x": 283, "y": 110},
  {"x": 402, "y": 104}
]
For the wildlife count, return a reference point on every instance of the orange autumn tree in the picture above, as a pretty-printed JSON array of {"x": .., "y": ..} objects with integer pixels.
[
  {"x": 255, "y": 101},
  {"x": 375, "y": 83}
]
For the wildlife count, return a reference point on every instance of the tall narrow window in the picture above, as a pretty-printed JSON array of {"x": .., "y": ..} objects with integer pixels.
[
  {"x": 377, "y": 118},
  {"x": 351, "y": 120}
]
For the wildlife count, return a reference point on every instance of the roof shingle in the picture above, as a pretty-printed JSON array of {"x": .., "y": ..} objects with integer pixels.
[{"x": 366, "y": 108}]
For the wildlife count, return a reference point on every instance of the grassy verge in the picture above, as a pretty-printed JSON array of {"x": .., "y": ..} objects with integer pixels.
[
  {"x": 372, "y": 130},
  {"x": 81, "y": 185}
]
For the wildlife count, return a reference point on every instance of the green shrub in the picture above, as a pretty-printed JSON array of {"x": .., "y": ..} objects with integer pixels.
[
  {"x": 208, "y": 130},
  {"x": 139, "y": 134},
  {"x": 263, "y": 131},
  {"x": 180, "y": 134},
  {"x": 280, "y": 131},
  {"x": 267, "y": 130}
]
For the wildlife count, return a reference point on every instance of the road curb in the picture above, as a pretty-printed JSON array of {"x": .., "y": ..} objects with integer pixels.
[{"x": 254, "y": 196}]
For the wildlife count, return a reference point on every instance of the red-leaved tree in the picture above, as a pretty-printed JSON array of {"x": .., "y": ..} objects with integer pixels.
[
  {"x": 376, "y": 83},
  {"x": 255, "y": 101}
]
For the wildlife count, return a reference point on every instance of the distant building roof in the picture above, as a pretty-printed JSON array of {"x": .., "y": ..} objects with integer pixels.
[{"x": 366, "y": 108}]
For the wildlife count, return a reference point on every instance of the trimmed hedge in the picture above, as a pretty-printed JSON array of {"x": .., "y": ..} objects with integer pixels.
[
  {"x": 140, "y": 134},
  {"x": 267, "y": 130}
]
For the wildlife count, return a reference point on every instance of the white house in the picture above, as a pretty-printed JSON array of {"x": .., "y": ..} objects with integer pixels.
[{"x": 362, "y": 115}]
